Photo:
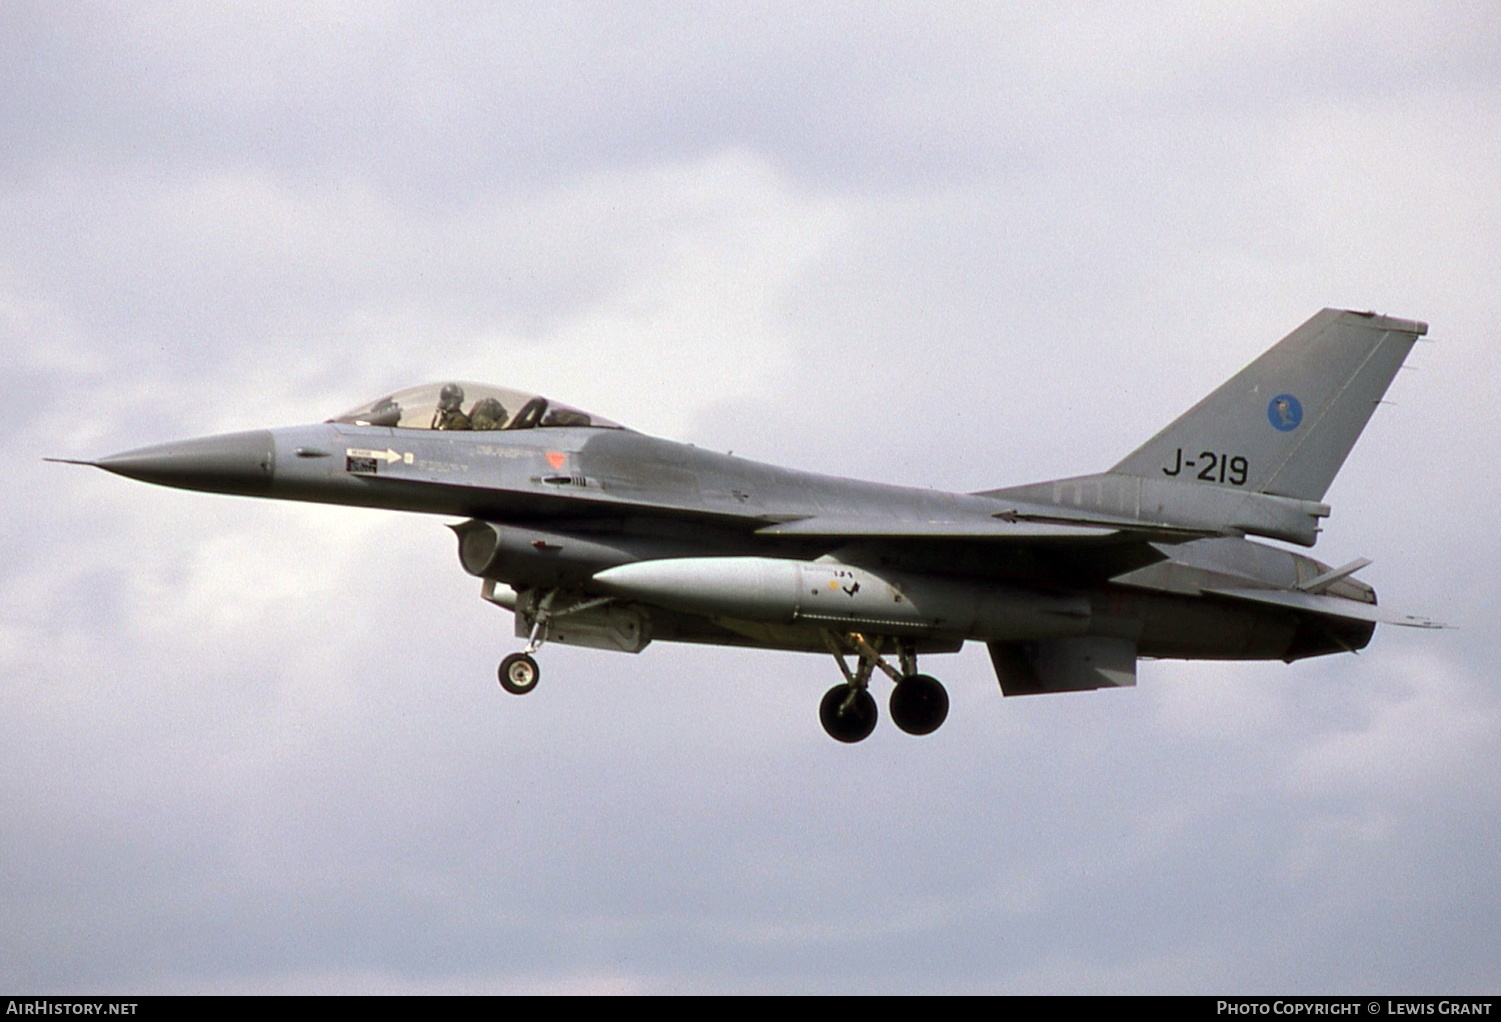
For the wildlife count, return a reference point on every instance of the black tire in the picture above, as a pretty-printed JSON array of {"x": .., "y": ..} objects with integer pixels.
[
  {"x": 848, "y": 725},
  {"x": 519, "y": 674},
  {"x": 919, "y": 704}
]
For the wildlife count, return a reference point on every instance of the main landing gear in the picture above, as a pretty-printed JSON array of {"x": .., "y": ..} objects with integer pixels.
[{"x": 919, "y": 704}]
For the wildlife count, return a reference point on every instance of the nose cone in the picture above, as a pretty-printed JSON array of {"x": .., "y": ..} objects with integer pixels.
[{"x": 240, "y": 463}]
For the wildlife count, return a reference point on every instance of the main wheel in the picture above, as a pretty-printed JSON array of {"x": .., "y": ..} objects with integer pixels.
[
  {"x": 851, "y": 724},
  {"x": 519, "y": 674},
  {"x": 919, "y": 704}
]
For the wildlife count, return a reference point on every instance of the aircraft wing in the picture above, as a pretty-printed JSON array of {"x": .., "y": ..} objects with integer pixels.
[
  {"x": 903, "y": 528},
  {"x": 1004, "y": 546},
  {"x": 1329, "y": 606},
  {"x": 1009, "y": 525}
]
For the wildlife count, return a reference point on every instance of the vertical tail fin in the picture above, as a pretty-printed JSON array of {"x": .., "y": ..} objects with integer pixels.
[
  {"x": 1285, "y": 424},
  {"x": 1257, "y": 455}
]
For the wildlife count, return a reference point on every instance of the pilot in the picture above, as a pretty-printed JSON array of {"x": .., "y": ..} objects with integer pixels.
[
  {"x": 449, "y": 414},
  {"x": 487, "y": 413}
]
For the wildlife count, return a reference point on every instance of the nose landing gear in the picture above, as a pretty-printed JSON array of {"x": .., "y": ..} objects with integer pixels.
[
  {"x": 563, "y": 616},
  {"x": 519, "y": 672}
]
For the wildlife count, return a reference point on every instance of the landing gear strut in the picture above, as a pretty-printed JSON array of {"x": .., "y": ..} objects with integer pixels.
[
  {"x": 919, "y": 704},
  {"x": 541, "y": 609},
  {"x": 519, "y": 672}
]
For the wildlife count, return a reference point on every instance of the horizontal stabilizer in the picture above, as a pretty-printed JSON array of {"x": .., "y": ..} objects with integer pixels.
[
  {"x": 1333, "y": 575},
  {"x": 1329, "y": 606}
]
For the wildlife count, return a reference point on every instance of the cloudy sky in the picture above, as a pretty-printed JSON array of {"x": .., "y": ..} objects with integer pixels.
[{"x": 253, "y": 747}]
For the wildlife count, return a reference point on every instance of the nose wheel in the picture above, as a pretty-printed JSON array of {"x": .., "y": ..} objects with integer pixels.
[{"x": 519, "y": 674}]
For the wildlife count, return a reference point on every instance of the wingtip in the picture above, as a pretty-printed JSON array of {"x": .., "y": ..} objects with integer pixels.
[{"x": 1384, "y": 322}]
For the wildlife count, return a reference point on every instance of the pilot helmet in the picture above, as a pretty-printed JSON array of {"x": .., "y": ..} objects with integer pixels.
[
  {"x": 488, "y": 413},
  {"x": 451, "y": 397}
]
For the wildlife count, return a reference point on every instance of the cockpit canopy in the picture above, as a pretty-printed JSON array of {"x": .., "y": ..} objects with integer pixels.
[{"x": 469, "y": 406}]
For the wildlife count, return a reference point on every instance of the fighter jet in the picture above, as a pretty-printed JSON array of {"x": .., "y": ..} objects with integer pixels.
[{"x": 592, "y": 534}]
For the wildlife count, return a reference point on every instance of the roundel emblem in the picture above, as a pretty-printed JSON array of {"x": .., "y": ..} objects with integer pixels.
[{"x": 1285, "y": 413}]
